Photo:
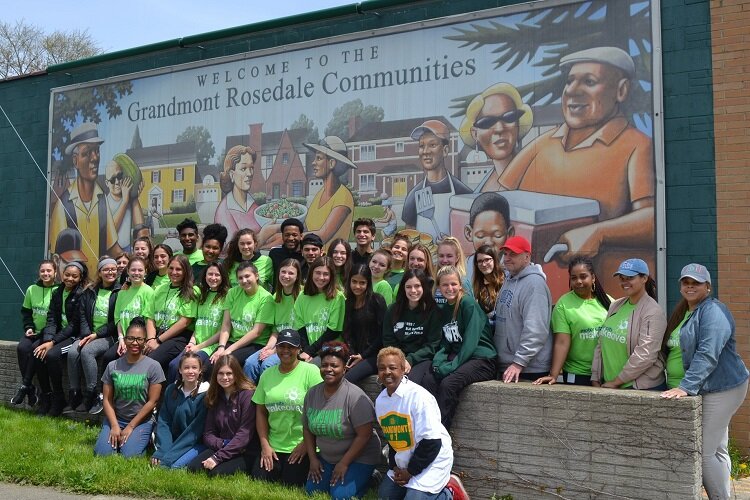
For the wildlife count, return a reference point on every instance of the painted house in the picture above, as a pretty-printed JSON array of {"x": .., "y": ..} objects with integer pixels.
[
  {"x": 387, "y": 158},
  {"x": 169, "y": 172}
]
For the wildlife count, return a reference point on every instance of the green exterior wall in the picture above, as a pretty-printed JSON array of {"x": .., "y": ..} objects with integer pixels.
[{"x": 688, "y": 118}]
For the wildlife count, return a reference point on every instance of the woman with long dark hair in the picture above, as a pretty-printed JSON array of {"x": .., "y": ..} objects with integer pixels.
[
  {"x": 576, "y": 320},
  {"x": 230, "y": 422},
  {"x": 400, "y": 247},
  {"x": 243, "y": 247},
  {"x": 488, "y": 279},
  {"x": 363, "y": 324},
  {"x": 160, "y": 259},
  {"x": 703, "y": 330},
  {"x": 341, "y": 252},
  {"x": 628, "y": 354},
  {"x": 412, "y": 323}
]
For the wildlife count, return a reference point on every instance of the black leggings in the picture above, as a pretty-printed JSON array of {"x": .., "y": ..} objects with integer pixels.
[
  {"x": 242, "y": 463},
  {"x": 170, "y": 349},
  {"x": 25, "y": 352},
  {"x": 49, "y": 371},
  {"x": 362, "y": 370},
  {"x": 283, "y": 472},
  {"x": 240, "y": 355}
]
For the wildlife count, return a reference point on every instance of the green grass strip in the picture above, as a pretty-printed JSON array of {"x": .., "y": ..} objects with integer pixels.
[{"x": 59, "y": 453}]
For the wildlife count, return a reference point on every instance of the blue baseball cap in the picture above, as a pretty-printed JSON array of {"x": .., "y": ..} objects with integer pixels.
[{"x": 631, "y": 267}]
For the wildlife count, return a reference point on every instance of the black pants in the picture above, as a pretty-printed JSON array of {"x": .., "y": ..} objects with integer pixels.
[
  {"x": 574, "y": 379},
  {"x": 25, "y": 352},
  {"x": 170, "y": 349},
  {"x": 242, "y": 463},
  {"x": 49, "y": 371},
  {"x": 419, "y": 371},
  {"x": 283, "y": 472},
  {"x": 240, "y": 355},
  {"x": 447, "y": 390},
  {"x": 362, "y": 370}
]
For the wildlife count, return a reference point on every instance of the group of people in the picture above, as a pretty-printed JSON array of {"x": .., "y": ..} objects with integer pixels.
[{"x": 284, "y": 338}]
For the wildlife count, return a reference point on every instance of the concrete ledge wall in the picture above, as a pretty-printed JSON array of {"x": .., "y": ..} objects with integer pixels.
[{"x": 567, "y": 442}]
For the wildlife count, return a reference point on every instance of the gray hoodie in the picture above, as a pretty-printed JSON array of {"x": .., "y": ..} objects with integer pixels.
[{"x": 522, "y": 323}]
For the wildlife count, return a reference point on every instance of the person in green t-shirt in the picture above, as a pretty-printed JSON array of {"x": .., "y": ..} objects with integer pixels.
[
  {"x": 188, "y": 233},
  {"x": 213, "y": 289},
  {"x": 674, "y": 365},
  {"x": 214, "y": 237},
  {"x": 288, "y": 288},
  {"x": 34, "y": 314},
  {"x": 467, "y": 351},
  {"x": 171, "y": 313},
  {"x": 243, "y": 248},
  {"x": 399, "y": 250},
  {"x": 248, "y": 316},
  {"x": 380, "y": 264},
  {"x": 319, "y": 311},
  {"x": 279, "y": 398},
  {"x": 630, "y": 340},
  {"x": 576, "y": 320},
  {"x": 161, "y": 256}
]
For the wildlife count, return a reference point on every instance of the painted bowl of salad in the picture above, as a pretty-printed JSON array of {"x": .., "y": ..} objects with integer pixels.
[{"x": 275, "y": 211}]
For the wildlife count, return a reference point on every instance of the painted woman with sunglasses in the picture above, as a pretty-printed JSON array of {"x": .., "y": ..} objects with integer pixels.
[
  {"x": 496, "y": 121},
  {"x": 338, "y": 420},
  {"x": 629, "y": 351},
  {"x": 132, "y": 386}
]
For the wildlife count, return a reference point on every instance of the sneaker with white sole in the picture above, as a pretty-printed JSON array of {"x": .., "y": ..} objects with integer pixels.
[
  {"x": 457, "y": 488},
  {"x": 98, "y": 406}
]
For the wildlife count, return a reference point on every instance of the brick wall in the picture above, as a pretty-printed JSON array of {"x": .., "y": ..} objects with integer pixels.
[
  {"x": 730, "y": 32},
  {"x": 573, "y": 442}
]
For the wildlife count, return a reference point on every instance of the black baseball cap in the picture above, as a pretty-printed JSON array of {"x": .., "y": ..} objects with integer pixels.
[{"x": 289, "y": 336}]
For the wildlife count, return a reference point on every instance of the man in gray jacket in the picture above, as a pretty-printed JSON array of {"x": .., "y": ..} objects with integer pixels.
[{"x": 522, "y": 332}]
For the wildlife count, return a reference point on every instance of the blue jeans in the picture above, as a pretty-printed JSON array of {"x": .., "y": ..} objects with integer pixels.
[
  {"x": 355, "y": 483},
  {"x": 133, "y": 447},
  {"x": 188, "y": 457},
  {"x": 254, "y": 367},
  {"x": 391, "y": 491}
]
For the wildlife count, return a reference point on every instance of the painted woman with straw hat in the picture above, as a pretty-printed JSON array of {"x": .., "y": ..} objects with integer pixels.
[{"x": 331, "y": 211}]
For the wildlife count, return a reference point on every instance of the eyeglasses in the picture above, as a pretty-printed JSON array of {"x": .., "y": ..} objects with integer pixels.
[
  {"x": 135, "y": 340},
  {"x": 485, "y": 261},
  {"x": 115, "y": 178},
  {"x": 509, "y": 117}
]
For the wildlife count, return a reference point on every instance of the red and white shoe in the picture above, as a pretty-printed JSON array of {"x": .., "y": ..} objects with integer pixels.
[{"x": 457, "y": 488}]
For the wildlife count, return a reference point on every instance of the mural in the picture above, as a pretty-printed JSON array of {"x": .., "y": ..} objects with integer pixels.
[{"x": 536, "y": 122}]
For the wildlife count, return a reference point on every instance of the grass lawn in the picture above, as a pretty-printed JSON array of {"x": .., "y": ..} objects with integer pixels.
[
  {"x": 171, "y": 220},
  {"x": 59, "y": 453}
]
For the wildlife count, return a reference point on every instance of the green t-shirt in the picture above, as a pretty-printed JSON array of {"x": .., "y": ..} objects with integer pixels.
[
  {"x": 247, "y": 310},
  {"x": 159, "y": 280},
  {"x": 283, "y": 395},
  {"x": 101, "y": 308},
  {"x": 194, "y": 257},
  {"x": 37, "y": 300},
  {"x": 283, "y": 313},
  {"x": 581, "y": 319},
  {"x": 316, "y": 314},
  {"x": 167, "y": 306},
  {"x": 131, "y": 303},
  {"x": 675, "y": 368},
  {"x": 394, "y": 278},
  {"x": 383, "y": 288},
  {"x": 63, "y": 315},
  {"x": 208, "y": 319},
  {"x": 264, "y": 265},
  {"x": 614, "y": 342}
]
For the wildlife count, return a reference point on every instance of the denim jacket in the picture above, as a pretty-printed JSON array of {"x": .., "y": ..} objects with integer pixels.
[{"x": 709, "y": 353}]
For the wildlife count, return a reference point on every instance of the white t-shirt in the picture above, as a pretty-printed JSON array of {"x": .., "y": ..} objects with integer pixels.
[
  {"x": 410, "y": 415},
  {"x": 125, "y": 229}
]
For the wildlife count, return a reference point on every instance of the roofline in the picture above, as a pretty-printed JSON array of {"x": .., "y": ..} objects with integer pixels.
[{"x": 247, "y": 29}]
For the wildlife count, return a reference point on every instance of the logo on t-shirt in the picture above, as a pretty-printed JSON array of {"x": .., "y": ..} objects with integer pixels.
[
  {"x": 450, "y": 331},
  {"x": 326, "y": 422},
  {"x": 398, "y": 430},
  {"x": 129, "y": 386}
]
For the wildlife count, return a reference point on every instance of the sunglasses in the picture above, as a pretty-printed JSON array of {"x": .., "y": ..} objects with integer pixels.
[
  {"x": 115, "y": 178},
  {"x": 488, "y": 121},
  {"x": 135, "y": 340},
  {"x": 329, "y": 348}
]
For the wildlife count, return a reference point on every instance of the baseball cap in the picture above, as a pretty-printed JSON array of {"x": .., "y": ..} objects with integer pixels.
[
  {"x": 696, "y": 271},
  {"x": 631, "y": 267},
  {"x": 289, "y": 336},
  {"x": 517, "y": 244},
  {"x": 436, "y": 127}
]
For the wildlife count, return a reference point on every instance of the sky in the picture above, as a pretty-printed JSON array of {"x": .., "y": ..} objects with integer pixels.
[{"x": 144, "y": 22}]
